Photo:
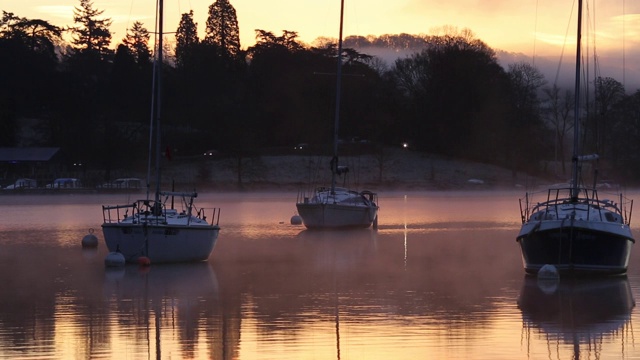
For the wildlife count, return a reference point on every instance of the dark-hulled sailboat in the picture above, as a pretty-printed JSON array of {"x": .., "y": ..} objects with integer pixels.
[{"x": 574, "y": 228}]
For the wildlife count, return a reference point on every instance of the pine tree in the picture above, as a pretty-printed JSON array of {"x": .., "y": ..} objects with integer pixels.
[
  {"x": 222, "y": 27},
  {"x": 137, "y": 40},
  {"x": 186, "y": 39},
  {"x": 92, "y": 34}
]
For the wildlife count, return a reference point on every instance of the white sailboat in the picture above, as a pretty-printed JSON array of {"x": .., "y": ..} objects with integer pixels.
[
  {"x": 152, "y": 228},
  {"x": 573, "y": 228},
  {"x": 335, "y": 207}
]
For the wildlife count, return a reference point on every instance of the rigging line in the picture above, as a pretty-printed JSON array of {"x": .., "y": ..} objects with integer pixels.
[
  {"x": 624, "y": 22},
  {"x": 593, "y": 42},
  {"x": 180, "y": 8},
  {"x": 129, "y": 18},
  {"x": 535, "y": 35},
  {"x": 566, "y": 34}
]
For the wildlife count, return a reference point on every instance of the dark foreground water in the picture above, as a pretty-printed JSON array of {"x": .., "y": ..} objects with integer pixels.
[{"x": 441, "y": 279}]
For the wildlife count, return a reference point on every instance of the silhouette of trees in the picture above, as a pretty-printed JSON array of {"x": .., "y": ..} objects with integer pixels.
[
  {"x": 37, "y": 35},
  {"x": 608, "y": 93},
  {"x": 449, "y": 97},
  {"x": 527, "y": 136},
  {"x": 92, "y": 33},
  {"x": 28, "y": 61},
  {"x": 454, "y": 90},
  {"x": 222, "y": 27},
  {"x": 186, "y": 40},
  {"x": 557, "y": 110},
  {"x": 137, "y": 41},
  {"x": 624, "y": 146}
]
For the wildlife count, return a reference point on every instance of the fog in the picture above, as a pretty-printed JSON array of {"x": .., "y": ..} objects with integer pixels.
[{"x": 559, "y": 69}]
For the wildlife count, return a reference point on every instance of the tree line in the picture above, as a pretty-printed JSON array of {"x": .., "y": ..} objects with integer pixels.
[{"x": 450, "y": 98}]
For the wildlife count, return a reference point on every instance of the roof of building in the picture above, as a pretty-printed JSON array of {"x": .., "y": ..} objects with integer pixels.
[{"x": 27, "y": 154}]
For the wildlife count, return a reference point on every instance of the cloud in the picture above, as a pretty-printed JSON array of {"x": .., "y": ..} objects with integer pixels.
[{"x": 56, "y": 11}]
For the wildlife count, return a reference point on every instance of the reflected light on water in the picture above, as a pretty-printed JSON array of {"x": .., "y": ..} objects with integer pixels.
[{"x": 442, "y": 279}]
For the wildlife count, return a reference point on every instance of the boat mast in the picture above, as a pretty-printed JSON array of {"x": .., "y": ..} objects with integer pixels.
[
  {"x": 158, "y": 94},
  {"x": 576, "y": 111},
  {"x": 336, "y": 125}
]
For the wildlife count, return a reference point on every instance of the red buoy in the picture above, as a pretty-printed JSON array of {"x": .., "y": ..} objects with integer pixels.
[{"x": 144, "y": 261}]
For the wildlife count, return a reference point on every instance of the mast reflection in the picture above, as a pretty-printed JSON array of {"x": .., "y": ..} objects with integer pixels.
[
  {"x": 169, "y": 309},
  {"x": 585, "y": 313}
]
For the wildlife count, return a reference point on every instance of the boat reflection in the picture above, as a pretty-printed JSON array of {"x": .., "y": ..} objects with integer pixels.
[
  {"x": 162, "y": 281},
  {"x": 339, "y": 248},
  {"x": 169, "y": 309},
  {"x": 585, "y": 314}
]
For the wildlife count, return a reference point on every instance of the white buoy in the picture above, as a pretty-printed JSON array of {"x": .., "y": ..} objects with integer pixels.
[
  {"x": 548, "y": 279},
  {"x": 114, "y": 259},
  {"x": 296, "y": 220},
  {"x": 114, "y": 273},
  {"x": 89, "y": 240},
  {"x": 548, "y": 272}
]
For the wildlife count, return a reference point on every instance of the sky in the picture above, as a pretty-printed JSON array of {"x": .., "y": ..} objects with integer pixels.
[{"x": 534, "y": 28}]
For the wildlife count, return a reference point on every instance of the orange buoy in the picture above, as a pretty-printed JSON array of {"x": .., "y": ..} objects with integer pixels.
[{"x": 144, "y": 261}]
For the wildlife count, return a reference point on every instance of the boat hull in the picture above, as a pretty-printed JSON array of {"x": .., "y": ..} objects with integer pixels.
[
  {"x": 336, "y": 216},
  {"x": 161, "y": 243},
  {"x": 582, "y": 248}
]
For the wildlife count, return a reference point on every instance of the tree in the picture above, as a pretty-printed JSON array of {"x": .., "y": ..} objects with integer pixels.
[
  {"x": 37, "y": 35},
  {"x": 608, "y": 92},
  {"x": 526, "y": 130},
  {"x": 558, "y": 111},
  {"x": 525, "y": 80},
  {"x": 29, "y": 77},
  {"x": 186, "y": 40},
  {"x": 222, "y": 27},
  {"x": 625, "y": 134},
  {"x": 137, "y": 40},
  {"x": 454, "y": 89},
  {"x": 267, "y": 43},
  {"x": 92, "y": 35}
]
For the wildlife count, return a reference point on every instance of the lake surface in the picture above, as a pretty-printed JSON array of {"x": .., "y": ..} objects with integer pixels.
[{"x": 441, "y": 278}]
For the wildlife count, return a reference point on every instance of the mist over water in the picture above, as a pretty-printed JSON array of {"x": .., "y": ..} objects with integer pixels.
[{"x": 441, "y": 278}]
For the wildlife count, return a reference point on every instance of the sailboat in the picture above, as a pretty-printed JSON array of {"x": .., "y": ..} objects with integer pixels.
[
  {"x": 574, "y": 229},
  {"x": 152, "y": 227},
  {"x": 337, "y": 207}
]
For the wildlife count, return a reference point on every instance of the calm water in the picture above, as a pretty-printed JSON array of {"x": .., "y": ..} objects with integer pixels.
[{"x": 441, "y": 279}]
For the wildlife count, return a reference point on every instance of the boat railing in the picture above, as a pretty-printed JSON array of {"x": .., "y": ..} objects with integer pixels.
[
  {"x": 147, "y": 210},
  {"x": 189, "y": 205},
  {"x": 116, "y": 213},
  {"x": 201, "y": 213},
  {"x": 370, "y": 196},
  {"x": 589, "y": 197}
]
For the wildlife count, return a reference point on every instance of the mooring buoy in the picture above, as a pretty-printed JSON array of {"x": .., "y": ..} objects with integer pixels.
[
  {"x": 114, "y": 259},
  {"x": 296, "y": 220},
  {"x": 89, "y": 240},
  {"x": 144, "y": 261}
]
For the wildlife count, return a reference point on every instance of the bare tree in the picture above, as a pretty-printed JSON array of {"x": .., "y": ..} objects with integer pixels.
[
  {"x": 557, "y": 111},
  {"x": 608, "y": 92}
]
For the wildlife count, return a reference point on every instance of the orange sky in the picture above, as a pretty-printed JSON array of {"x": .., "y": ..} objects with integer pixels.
[{"x": 531, "y": 27}]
